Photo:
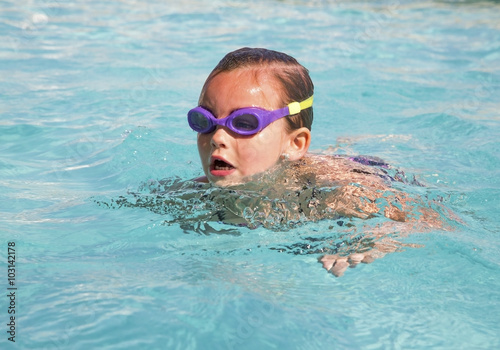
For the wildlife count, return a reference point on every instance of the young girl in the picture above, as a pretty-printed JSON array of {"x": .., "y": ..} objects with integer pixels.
[
  {"x": 254, "y": 117},
  {"x": 244, "y": 119},
  {"x": 255, "y": 114}
]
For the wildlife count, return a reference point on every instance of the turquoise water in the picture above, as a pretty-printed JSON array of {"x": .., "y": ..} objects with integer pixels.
[{"x": 93, "y": 97}]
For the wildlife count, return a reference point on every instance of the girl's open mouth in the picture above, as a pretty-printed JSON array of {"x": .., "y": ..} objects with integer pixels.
[{"x": 219, "y": 167}]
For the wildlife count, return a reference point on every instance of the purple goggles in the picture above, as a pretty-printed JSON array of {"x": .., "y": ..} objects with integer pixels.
[{"x": 244, "y": 121}]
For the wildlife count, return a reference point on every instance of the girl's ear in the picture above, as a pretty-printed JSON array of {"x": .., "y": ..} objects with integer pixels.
[{"x": 298, "y": 143}]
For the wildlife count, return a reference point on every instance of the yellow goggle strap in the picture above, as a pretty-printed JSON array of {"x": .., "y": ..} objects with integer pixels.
[{"x": 296, "y": 107}]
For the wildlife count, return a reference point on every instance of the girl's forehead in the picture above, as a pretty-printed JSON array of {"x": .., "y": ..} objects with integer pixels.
[
  {"x": 252, "y": 76},
  {"x": 245, "y": 86}
]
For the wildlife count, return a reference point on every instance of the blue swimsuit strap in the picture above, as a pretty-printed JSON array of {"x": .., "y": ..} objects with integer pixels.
[{"x": 368, "y": 160}]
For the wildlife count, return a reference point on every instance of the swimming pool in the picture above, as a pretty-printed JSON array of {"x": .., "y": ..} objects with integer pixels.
[{"x": 93, "y": 97}]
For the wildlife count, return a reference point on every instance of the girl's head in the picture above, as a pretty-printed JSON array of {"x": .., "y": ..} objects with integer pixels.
[{"x": 263, "y": 79}]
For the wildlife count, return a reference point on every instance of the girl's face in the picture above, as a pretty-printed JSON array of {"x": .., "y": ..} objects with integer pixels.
[{"x": 228, "y": 158}]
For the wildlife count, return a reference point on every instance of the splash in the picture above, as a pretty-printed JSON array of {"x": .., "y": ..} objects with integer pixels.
[{"x": 286, "y": 198}]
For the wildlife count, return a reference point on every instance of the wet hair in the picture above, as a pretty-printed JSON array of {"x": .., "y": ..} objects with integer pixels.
[{"x": 293, "y": 77}]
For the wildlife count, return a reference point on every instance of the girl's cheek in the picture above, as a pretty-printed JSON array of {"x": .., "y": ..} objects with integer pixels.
[
  {"x": 203, "y": 143},
  {"x": 257, "y": 157},
  {"x": 250, "y": 148}
]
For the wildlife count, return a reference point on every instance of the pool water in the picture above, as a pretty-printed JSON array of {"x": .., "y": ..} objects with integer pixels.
[{"x": 93, "y": 98}]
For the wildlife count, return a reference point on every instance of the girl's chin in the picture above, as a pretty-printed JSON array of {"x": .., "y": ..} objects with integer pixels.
[
  {"x": 227, "y": 182},
  {"x": 223, "y": 181},
  {"x": 232, "y": 177}
]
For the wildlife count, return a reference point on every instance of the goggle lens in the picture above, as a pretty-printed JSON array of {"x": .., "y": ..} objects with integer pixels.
[
  {"x": 245, "y": 122},
  {"x": 199, "y": 122}
]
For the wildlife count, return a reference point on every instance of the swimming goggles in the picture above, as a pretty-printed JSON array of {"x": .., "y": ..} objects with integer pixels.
[{"x": 244, "y": 121}]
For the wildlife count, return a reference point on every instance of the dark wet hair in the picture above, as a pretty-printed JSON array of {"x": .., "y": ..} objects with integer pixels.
[{"x": 294, "y": 78}]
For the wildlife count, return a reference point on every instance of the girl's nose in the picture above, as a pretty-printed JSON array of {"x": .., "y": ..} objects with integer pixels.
[{"x": 220, "y": 137}]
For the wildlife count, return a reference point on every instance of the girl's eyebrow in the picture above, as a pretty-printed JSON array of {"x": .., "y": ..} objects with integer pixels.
[
  {"x": 211, "y": 111},
  {"x": 207, "y": 108}
]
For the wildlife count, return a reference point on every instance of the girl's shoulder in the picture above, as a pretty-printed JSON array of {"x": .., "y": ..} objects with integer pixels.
[{"x": 342, "y": 169}]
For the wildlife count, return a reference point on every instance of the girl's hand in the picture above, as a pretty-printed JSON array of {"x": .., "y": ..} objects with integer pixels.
[{"x": 337, "y": 265}]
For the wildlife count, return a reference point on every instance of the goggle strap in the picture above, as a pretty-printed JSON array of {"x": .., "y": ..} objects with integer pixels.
[{"x": 296, "y": 107}]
